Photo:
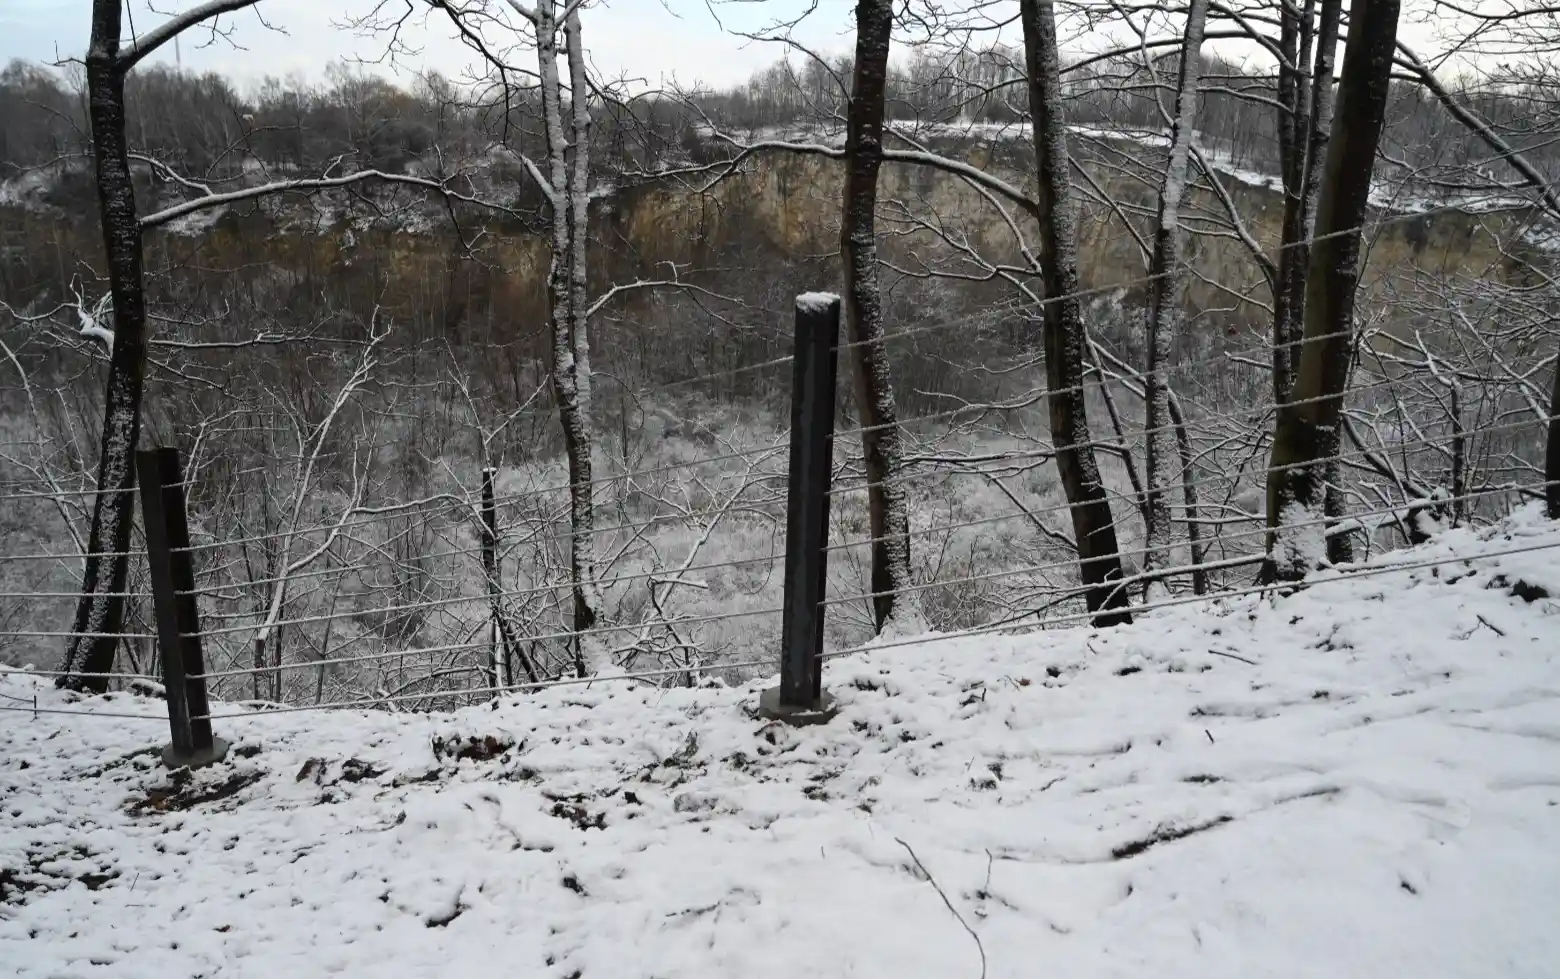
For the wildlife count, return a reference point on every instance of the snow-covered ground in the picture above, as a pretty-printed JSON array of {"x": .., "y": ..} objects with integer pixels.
[{"x": 1362, "y": 779}]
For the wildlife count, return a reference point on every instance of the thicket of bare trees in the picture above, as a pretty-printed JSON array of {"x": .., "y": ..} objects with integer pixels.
[{"x": 1099, "y": 288}]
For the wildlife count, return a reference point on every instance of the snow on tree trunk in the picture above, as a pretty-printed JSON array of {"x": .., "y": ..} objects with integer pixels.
[
  {"x": 1167, "y": 304},
  {"x": 100, "y": 610},
  {"x": 579, "y": 431},
  {"x": 1309, "y": 430},
  {"x": 880, "y": 442},
  {"x": 565, "y": 295},
  {"x": 1063, "y": 334}
]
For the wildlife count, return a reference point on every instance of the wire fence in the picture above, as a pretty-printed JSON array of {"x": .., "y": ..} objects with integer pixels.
[
  {"x": 452, "y": 597},
  {"x": 1029, "y": 623}
]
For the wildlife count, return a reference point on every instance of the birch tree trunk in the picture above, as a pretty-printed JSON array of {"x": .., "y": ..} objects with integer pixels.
[
  {"x": 880, "y": 440},
  {"x": 1167, "y": 303},
  {"x": 1063, "y": 332},
  {"x": 1309, "y": 432},
  {"x": 578, "y": 431},
  {"x": 568, "y": 199},
  {"x": 100, "y": 609}
]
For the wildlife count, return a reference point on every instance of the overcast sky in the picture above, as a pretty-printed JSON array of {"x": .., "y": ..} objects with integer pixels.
[
  {"x": 648, "y": 39},
  {"x": 653, "y": 40}
]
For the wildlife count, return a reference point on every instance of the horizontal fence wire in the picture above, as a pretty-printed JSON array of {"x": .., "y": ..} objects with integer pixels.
[
  {"x": 69, "y": 494},
  {"x": 6, "y": 671},
  {"x": 1346, "y": 573},
  {"x": 1178, "y": 570},
  {"x": 74, "y": 594},
  {"x": 1354, "y": 456},
  {"x": 1022, "y": 514},
  {"x": 66, "y": 634},
  {"x": 1031, "y": 514},
  {"x": 567, "y": 634},
  {"x": 1041, "y": 454},
  {"x": 1035, "y": 454},
  {"x": 1397, "y": 509},
  {"x": 1157, "y": 573},
  {"x": 159, "y": 718},
  {"x": 1333, "y": 576},
  {"x": 1115, "y": 442},
  {"x": 211, "y": 591},
  {"x": 77, "y": 556},
  {"x": 488, "y": 597},
  {"x": 1351, "y": 573},
  {"x": 472, "y": 507},
  {"x": 1099, "y": 378}
]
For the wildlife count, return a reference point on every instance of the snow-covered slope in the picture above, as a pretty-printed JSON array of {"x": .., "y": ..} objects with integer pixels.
[{"x": 1359, "y": 780}]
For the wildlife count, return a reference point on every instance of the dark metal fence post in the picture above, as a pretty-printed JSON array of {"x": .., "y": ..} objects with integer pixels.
[
  {"x": 173, "y": 602},
  {"x": 504, "y": 647},
  {"x": 799, "y": 699},
  {"x": 502, "y": 664}
]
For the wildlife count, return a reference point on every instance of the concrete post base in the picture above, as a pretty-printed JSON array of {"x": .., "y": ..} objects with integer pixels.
[
  {"x": 819, "y": 712},
  {"x": 198, "y": 758}
]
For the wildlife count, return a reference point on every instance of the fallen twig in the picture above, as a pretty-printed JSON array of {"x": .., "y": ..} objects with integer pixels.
[{"x": 954, "y": 911}]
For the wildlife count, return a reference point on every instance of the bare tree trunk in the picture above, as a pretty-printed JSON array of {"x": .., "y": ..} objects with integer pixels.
[
  {"x": 1183, "y": 444},
  {"x": 1309, "y": 432},
  {"x": 1459, "y": 480},
  {"x": 1167, "y": 304},
  {"x": 1340, "y": 547},
  {"x": 504, "y": 649},
  {"x": 880, "y": 440},
  {"x": 1093, "y": 525},
  {"x": 1335, "y": 505},
  {"x": 1102, "y": 385},
  {"x": 1319, "y": 133},
  {"x": 100, "y": 610},
  {"x": 1302, "y": 149},
  {"x": 1290, "y": 280},
  {"x": 500, "y": 661}
]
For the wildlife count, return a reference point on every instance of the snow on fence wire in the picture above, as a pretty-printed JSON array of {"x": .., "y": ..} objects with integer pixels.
[{"x": 428, "y": 673}]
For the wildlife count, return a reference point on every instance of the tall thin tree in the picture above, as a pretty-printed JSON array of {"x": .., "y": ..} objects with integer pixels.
[
  {"x": 1063, "y": 338},
  {"x": 89, "y": 654},
  {"x": 880, "y": 440},
  {"x": 1167, "y": 297}
]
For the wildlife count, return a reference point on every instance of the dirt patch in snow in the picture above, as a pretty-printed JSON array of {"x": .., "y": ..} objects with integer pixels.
[{"x": 184, "y": 791}]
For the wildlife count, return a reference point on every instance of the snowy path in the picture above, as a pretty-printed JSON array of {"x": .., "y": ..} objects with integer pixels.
[{"x": 1377, "y": 793}]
